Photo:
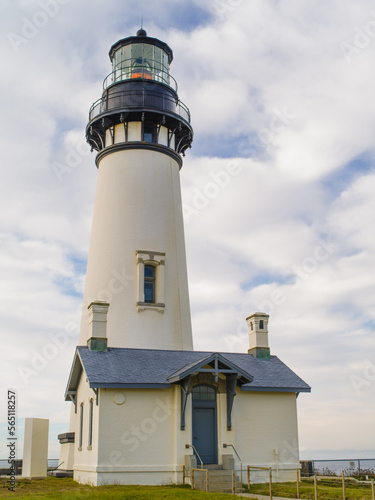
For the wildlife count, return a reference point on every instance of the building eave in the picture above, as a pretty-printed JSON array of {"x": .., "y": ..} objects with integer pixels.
[
  {"x": 74, "y": 375},
  {"x": 98, "y": 385},
  {"x": 249, "y": 388}
]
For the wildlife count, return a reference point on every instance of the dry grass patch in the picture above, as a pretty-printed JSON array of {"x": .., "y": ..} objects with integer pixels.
[{"x": 53, "y": 488}]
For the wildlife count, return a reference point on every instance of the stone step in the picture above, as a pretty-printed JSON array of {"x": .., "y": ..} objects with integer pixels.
[
  {"x": 217, "y": 473},
  {"x": 218, "y": 481},
  {"x": 213, "y": 473},
  {"x": 212, "y": 467},
  {"x": 223, "y": 479}
]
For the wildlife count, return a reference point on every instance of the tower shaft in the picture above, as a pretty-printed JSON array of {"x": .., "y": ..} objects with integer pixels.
[{"x": 138, "y": 216}]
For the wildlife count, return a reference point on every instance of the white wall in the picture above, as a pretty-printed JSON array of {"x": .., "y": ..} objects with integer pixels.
[
  {"x": 138, "y": 207},
  {"x": 266, "y": 431},
  {"x": 137, "y": 437},
  {"x": 85, "y": 459}
]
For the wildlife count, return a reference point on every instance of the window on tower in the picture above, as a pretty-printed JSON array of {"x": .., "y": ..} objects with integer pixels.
[
  {"x": 150, "y": 280},
  {"x": 149, "y": 133},
  {"x": 149, "y": 284},
  {"x": 261, "y": 324}
]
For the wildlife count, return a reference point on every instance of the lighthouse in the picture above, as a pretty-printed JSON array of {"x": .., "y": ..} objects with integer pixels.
[
  {"x": 136, "y": 274},
  {"x": 145, "y": 407}
]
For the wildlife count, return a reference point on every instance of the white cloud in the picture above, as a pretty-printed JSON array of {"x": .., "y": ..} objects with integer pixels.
[{"x": 252, "y": 240}]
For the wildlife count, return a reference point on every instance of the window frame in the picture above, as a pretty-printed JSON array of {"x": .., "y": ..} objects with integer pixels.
[
  {"x": 157, "y": 260},
  {"x": 91, "y": 414},
  {"x": 150, "y": 127},
  {"x": 197, "y": 391},
  {"x": 80, "y": 436}
]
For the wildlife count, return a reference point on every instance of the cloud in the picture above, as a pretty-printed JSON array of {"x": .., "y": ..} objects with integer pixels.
[{"x": 284, "y": 221}]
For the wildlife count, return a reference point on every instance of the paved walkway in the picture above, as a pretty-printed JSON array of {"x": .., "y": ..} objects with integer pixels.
[{"x": 261, "y": 497}]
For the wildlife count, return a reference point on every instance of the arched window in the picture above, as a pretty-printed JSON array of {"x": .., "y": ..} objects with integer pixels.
[
  {"x": 204, "y": 393},
  {"x": 149, "y": 286},
  {"x": 150, "y": 280}
]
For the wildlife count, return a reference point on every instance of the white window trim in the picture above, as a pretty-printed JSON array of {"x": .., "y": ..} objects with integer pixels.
[
  {"x": 90, "y": 429},
  {"x": 156, "y": 259},
  {"x": 80, "y": 435}
]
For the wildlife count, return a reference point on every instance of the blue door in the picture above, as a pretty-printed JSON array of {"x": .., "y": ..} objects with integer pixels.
[{"x": 205, "y": 424}]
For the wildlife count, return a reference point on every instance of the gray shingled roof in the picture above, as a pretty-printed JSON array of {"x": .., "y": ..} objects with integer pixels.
[{"x": 118, "y": 367}]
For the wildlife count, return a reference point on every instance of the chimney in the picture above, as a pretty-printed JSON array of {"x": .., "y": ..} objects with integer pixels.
[
  {"x": 98, "y": 326},
  {"x": 258, "y": 335}
]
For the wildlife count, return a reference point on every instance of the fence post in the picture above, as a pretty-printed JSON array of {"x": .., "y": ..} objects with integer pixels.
[
  {"x": 270, "y": 483},
  {"x": 248, "y": 477},
  {"x": 315, "y": 487},
  {"x": 192, "y": 479},
  {"x": 297, "y": 483},
  {"x": 206, "y": 479},
  {"x": 183, "y": 474},
  {"x": 373, "y": 489},
  {"x": 343, "y": 486},
  {"x": 233, "y": 488}
]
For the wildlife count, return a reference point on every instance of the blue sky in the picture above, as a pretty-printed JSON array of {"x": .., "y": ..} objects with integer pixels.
[{"x": 281, "y": 90}]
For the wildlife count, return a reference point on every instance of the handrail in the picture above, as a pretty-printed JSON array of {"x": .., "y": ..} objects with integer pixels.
[
  {"x": 57, "y": 466},
  {"x": 192, "y": 477},
  {"x": 235, "y": 451},
  {"x": 143, "y": 98},
  {"x": 192, "y": 446},
  {"x": 127, "y": 73},
  {"x": 260, "y": 468}
]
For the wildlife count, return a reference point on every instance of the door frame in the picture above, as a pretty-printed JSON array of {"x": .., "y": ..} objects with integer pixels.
[{"x": 207, "y": 405}]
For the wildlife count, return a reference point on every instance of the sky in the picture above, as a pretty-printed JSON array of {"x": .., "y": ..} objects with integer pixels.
[{"x": 277, "y": 192}]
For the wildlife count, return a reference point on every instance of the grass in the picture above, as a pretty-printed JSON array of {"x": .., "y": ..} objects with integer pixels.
[
  {"x": 328, "y": 489},
  {"x": 53, "y": 488}
]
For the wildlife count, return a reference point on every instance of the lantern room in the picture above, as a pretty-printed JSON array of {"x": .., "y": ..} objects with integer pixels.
[
  {"x": 139, "y": 103},
  {"x": 141, "y": 56}
]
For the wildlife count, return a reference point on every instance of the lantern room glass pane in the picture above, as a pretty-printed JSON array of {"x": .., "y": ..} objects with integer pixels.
[{"x": 141, "y": 60}]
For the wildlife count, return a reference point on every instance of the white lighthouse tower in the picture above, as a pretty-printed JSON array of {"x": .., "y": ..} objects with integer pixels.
[
  {"x": 146, "y": 407},
  {"x": 136, "y": 282}
]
